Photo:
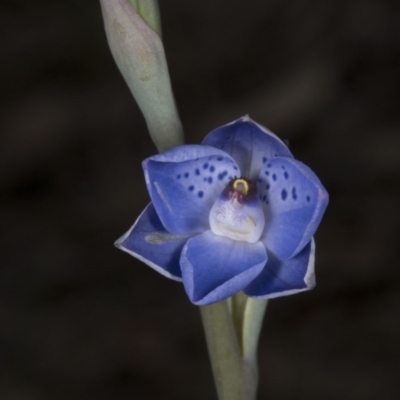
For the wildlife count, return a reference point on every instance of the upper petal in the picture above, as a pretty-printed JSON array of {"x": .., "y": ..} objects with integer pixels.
[
  {"x": 282, "y": 278},
  {"x": 184, "y": 190},
  {"x": 249, "y": 143},
  {"x": 185, "y": 153},
  {"x": 215, "y": 267},
  {"x": 294, "y": 201},
  {"x": 148, "y": 241}
]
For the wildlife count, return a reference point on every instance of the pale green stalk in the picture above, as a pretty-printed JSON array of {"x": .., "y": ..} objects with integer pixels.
[
  {"x": 252, "y": 323},
  {"x": 224, "y": 350},
  {"x": 232, "y": 330}
]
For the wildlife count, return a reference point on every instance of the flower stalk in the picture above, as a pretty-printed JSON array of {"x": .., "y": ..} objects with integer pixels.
[
  {"x": 224, "y": 351},
  {"x": 232, "y": 328}
]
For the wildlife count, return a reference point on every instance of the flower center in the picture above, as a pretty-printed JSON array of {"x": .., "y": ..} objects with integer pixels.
[
  {"x": 241, "y": 185},
  {"x": 237, "y": 213}
]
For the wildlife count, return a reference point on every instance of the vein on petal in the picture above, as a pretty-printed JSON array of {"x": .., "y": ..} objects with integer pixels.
[
  {"x": 162, "y": 237},
  {"x": 163, "y": 198}
]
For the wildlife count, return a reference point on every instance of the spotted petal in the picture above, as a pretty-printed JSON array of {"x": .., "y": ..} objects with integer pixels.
[
  {"x": 215, "y": 267},
  {"x": 294, "y": 201},
  {"x": 249, "y": 143},
  {"x": 185, "y": 153},
  {"x": 282, "y": 278},
  {"x": 148, "y": 241},
  {"x": 183, "y": 192}
]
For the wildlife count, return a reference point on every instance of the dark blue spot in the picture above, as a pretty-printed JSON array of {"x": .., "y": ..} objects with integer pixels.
[
  {"x": 186, "y": 175},
  {"x": 283, "y": 167},
  {"x": 205, "y": 166},
  {"x": 212, "y": 168},
  {"x": 200, "y": 194},
  {"x": 267, "y": 187},
  {"x": 235, "y": 167},
  {"x": 286, "y": 175},
  {"x": 294, "y": 194},
  {"x": 264, "y": 197},
  {"x": 191, "y": 188},
  {"x": 265, "y": 159},
  {"x": 266, "y": 173},
  {"x": 284, "y": 194},
  {"x": 178, "y": 176},
  {"x": 274, "y": 177},
  {"x": 269, "y": 165},
  {"x": 209, "y": 180},
  {"x": 197, "y": 171},
  {"x": 308, "y": 198},
  {"x": 259, "y": 180},
  {"x": 230, "y": 177},
  {"x": 219, "y": 158},
  {"x": 222, "y": 175}
]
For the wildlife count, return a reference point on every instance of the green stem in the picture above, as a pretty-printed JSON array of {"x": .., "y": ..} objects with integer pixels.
[
  {"x": 252, "y": 323},
  {"x": 237, "y": 309},
  {"x": 232, "y": 329},
  {"x": 225, "y": 352}
]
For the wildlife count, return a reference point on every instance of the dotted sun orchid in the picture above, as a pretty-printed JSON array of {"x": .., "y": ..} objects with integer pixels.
[{"x": 236, "y": 213}]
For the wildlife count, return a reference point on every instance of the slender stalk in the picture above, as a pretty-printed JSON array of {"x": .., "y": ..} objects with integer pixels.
[
  {"x": 232, "y": 329},
  {"x": 225, "y": 352},
  {"x": 252, "y": 323},
  {"x": 237, "y": 309}
]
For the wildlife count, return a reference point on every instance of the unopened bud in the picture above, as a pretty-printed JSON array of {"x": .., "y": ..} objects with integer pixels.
[{"x": 139, "y": 53}]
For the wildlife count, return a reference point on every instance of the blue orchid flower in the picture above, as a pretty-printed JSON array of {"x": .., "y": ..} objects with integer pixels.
[{"x": 237, "y": 212}]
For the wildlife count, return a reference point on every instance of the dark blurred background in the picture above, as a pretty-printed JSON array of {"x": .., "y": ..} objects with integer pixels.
[{"x": 82, "y": 320}]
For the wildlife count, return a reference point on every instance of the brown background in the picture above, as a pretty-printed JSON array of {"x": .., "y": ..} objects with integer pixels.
[{"x": 79, "y": 319}]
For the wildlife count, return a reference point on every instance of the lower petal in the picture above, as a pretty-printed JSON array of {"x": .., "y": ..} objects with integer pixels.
[
  {"x": 215, "y": 267},
  {"x": 149, "y": 242},
  {"x": 282, "y": 278}
]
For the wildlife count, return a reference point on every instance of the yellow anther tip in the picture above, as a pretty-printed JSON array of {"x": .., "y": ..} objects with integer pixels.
[{"x": 241, "y": 185}]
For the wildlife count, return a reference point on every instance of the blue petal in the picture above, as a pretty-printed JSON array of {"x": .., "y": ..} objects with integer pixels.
[
  {"x": 282, "y": 278},
  {"x": 249, "y": 143},
  {"x": 185, "y": 153},
  {"x": 294, "y": 201},
  {"x": 215, "y": 267},
  {"x": 183, "y": 192},
  {"x": 148, "y": 241}
]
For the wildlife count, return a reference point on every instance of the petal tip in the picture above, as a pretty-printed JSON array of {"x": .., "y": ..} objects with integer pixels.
[
  {"x": 323, "y": 194},
  {"x": 145, "y": 162},
  {"x": 246, "y": 118},
  {"x": 119, "y": 243}
]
